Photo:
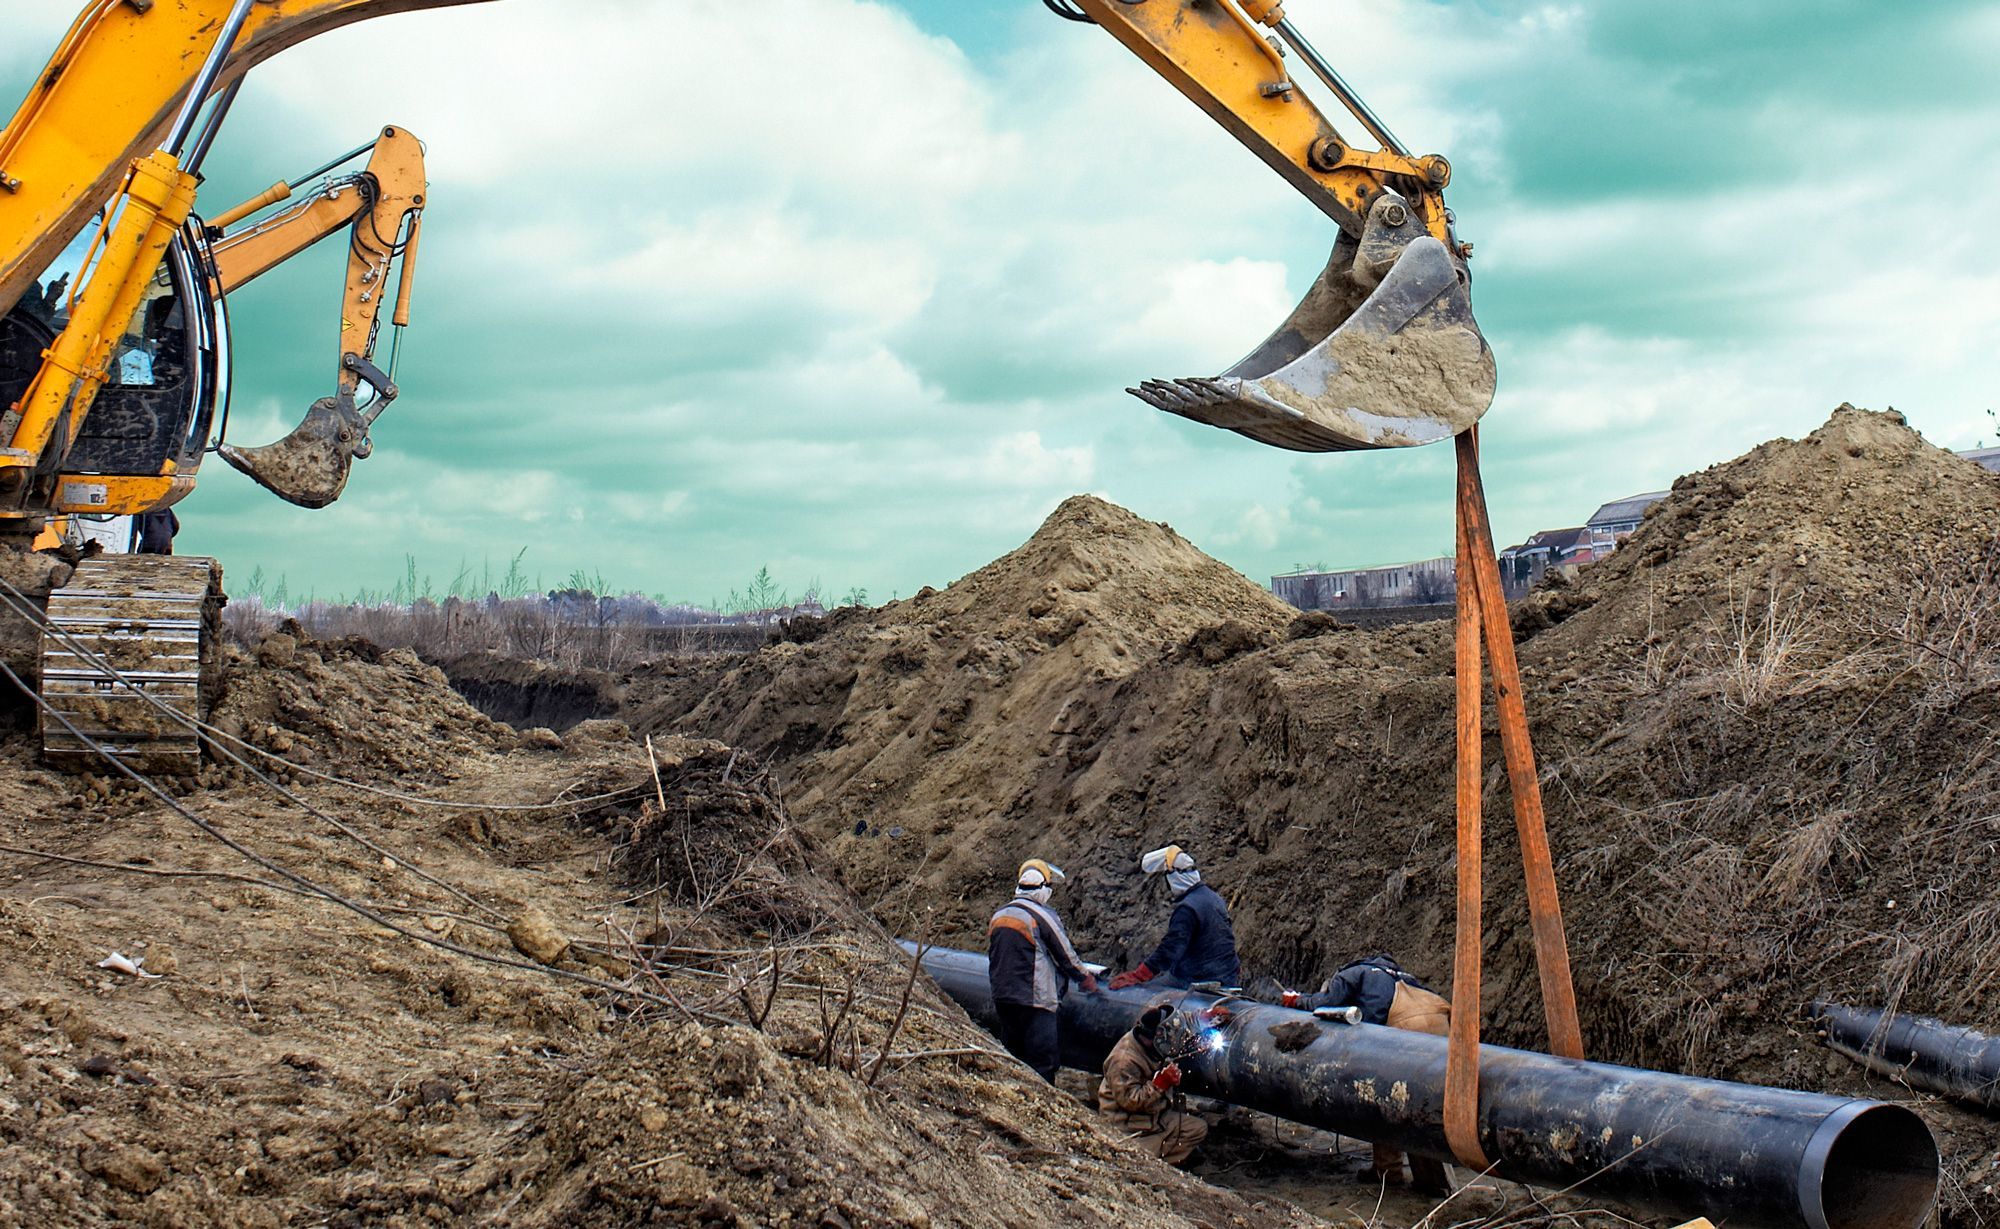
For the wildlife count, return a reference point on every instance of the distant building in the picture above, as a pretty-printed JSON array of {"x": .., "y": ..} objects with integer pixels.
[
  {"x": 1984, "y": 458},
  {"x": 1523, "y": 565},
  {"x": 1421, "y": 583},
  {"x": 1435, "y": 581},
  {"x": 1619, "y": 519}
]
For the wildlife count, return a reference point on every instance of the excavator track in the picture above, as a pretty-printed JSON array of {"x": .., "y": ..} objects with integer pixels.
[{"x": 155, "y": 620}]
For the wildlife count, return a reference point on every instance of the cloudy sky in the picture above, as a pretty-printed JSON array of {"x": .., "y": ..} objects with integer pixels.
[{"x": 850, "y": 289}]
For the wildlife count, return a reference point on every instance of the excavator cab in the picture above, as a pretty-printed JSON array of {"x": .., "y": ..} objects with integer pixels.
[
  {"x": 169, "y": 377},
  {"x": 167, "y": 380}
]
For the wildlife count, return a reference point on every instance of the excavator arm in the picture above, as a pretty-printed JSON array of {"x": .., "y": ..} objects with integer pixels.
[
  {"x": 111, "y": 94},
  {"x": 1383, "y": 351},
  {"x": 382, "y": 210},
  {"x": 128, "y": 76},
  {"x": 1213, "y": 52}
]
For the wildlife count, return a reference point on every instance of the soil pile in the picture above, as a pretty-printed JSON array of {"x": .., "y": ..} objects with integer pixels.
[
  {"x": 929, "y": 717},
  {"x": 1764, "y": 729},
  {"x": 286, "y": 1061}
]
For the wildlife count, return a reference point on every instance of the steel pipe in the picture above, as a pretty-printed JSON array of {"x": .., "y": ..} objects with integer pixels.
[
  {"x": 1736, "y": 1152},
  {"x": 1917, "y": 1050}
]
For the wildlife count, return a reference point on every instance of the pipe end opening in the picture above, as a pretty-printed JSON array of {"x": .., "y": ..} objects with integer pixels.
[{"x": 1877, "y": 1169}]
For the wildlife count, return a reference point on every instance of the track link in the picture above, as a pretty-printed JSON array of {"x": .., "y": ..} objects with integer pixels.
[{"x": 156, "y": 620}]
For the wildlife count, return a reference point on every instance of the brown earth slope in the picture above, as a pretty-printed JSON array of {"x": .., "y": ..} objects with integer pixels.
[
  {"x": 296, "y": 1064},
  {"x": 1765, "y": 731}
]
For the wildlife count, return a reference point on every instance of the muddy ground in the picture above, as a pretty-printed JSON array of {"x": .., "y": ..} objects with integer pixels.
[
  {"x": 1765, "y": 729},
  {"x": 287, "y": 1061}
]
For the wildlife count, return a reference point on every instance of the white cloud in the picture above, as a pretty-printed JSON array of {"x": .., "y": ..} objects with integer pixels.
[
  {"x": 1190, "y": 297},
  {"x": 526, "y": 94},
  {"x": 1260, "y": 527},
  {"x": 823, "y": 268},
  {"x": 1022, "y": 460}
]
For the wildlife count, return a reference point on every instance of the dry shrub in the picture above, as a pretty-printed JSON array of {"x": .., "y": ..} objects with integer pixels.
[
  {"x": 714, "y": 838},
  {"x": 532, "y": 628},
  {"x": 1947, "y": 632},
  {"x": 570, "y": 635},
  {"x": 1801, "y": 856}
]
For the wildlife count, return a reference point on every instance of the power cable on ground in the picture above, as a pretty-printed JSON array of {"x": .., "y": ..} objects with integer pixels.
[
  {"x": 18, "y": 602},
  {"x": 309, "y": 887}
]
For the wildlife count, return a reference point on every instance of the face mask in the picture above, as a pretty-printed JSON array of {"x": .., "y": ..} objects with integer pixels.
[
  {"x": 1039, "y": 895},
  {"x": 1181, "y": 882}
]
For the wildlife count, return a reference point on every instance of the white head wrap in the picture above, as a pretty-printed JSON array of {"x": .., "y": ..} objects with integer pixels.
[
  {"x": 1036, "y": 878},
  {"x": 1178, "y": 865}
]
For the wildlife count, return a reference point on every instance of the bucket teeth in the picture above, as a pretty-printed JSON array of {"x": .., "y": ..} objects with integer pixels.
[
  {"x": 1187, "y": 397},
  {"x": 1405, "y": 365}
]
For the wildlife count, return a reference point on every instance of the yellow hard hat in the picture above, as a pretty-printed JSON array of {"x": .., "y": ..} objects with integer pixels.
[{"x": 1042, "y": 872}]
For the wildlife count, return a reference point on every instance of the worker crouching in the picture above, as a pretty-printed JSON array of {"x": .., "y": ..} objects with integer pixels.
[
  {"x": 1139, "y": 1097},
  {"x": 1386, "y": 993}
]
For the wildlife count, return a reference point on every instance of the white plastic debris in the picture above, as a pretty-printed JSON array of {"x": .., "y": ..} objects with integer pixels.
[{"x": 121, "y": 963}]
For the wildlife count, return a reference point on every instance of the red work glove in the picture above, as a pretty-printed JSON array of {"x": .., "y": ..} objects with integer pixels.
[
  {"x": 1132, "y": 978},
  {"x": 1215, "y": 1016},
  {"x": 1169, "y": 1077},
  {"x": 1089, "y": 983},
  {"x": 1290, "y": 998}
]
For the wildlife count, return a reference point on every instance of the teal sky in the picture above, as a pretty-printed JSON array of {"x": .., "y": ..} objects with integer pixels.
[{"x": 851, "y": 288}]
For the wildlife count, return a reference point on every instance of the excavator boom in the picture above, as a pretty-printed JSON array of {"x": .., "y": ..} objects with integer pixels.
[
  {"x": 1383, "y": 351},
  {"x": 382, "y": 207},
  {"x": 111, "y": 93}
]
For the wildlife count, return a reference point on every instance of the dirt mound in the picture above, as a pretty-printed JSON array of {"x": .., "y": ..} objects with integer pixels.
[
  {"x": 932, "y": 709},
  {"x": 347, "y": 706},
  {"x": 282, "y": 1060},
  {"x": 1835, "y": 514},
  {"x": 1764, "y": 728}
]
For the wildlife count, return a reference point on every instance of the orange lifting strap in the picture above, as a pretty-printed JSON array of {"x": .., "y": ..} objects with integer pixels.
[{"x": 1482, "y": 617}]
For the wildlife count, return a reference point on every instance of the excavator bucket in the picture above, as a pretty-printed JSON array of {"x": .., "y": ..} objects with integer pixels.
[
  {"x": 1383, "y": 352},
  {"x": 309, "y": 466}
]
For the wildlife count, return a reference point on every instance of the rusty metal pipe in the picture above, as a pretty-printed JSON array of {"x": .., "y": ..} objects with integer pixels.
[
  {"x": 1738, "y": 1153},
  {"x": 1917, "y": 1050}
]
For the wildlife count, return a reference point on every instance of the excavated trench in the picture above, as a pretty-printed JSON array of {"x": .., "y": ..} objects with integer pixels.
[{"x": 1763, "y": 727}]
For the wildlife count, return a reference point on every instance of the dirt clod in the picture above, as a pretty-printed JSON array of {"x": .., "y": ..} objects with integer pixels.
[
  {"x": 128, "y": 1167},
  {"x": 536, "y": 937}
]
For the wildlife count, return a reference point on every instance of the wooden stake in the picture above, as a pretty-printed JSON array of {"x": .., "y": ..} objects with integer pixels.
[
  {"x": 1516, "y": 745},
  {"x": 658, "y": 789},
  {"x": 1461, "y": 1077}
]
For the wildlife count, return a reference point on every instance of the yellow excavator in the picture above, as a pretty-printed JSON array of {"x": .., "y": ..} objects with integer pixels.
[
  {"x": 165, "y": 385},
  {"x": 106, "y": 406},
  {"x": 380, "y": 206}
]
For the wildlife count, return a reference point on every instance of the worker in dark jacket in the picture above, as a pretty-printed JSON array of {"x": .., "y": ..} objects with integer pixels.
[
  {"x": 1387, "y": 994},
  {"x": 1200, "y": 945},
  {"x": 156, "y": 532},
  {"x": 1029, "y": 962}
]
